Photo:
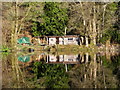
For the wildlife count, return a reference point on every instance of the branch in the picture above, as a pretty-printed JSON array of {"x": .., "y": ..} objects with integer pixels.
[
  {"x": 24, "y": 18},
  {"x": 26, "y": 13}
]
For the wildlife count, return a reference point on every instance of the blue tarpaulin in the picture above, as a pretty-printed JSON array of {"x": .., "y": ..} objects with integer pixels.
[
  {"x": 24, "y": 40},
  {"x": 24, "y": 58}
]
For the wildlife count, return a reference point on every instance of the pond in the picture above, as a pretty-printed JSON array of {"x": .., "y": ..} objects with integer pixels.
[{"x": 61, "y": 70}]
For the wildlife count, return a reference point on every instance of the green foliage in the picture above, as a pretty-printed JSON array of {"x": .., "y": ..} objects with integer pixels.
[
  {"x": 115, "y": 36},
  {"x": 113, "y": 65},
  {"x": 106, "y": 36},
  {"x": 112, "y": 35},
  {"x": 112, "y": 7},
  {"x": 55, "y": 20},
  {"x": 26, "y": 4},
  {"x": 110, "y": 31},
  {"x": 5, "y": 50},
  {"x": 106, "y": 62},
  {"x": 55, "y": 74}
]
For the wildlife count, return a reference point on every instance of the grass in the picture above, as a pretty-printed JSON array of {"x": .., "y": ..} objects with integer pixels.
[
  {"x": 76, "y": 48},
  {"x": 72, "y": 49},
  {"x": 26, "y": 47},
  {"x": 5, "y": 50},
  {"x": 68, "y": 49}
]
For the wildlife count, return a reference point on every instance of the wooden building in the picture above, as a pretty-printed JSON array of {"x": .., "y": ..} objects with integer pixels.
[
  {"x": 63, "y": 40},
  {"x": 40, "y": 40}
]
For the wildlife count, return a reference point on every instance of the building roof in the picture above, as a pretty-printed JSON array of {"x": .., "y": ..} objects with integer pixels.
[
  {"x": 58, "y": 36},
  {"x": 74, "y": 62},
  {"x": 24, "y": 58},
  {"x": 23, "y": 40},
  {"x": 63, "y": 36}
]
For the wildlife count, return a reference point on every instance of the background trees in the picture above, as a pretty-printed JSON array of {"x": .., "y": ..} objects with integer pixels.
[
  {"x": 92, "y": 19},
  {"x": 110, "y": 30},
  {"x": 14, "y": 16},
  {"x": 97, "y": 21},
  {"x": 54, "y": 75},
  {"x": 54, "y": 20},
  {"x": 17, "y": 17}
]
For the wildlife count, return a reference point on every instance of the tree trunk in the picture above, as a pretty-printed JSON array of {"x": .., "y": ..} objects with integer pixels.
[
  {"x": 15, "y": 27},
  {"x": 95, "y": 67},
  {"x": 86, "y": 41},
  {"x": 104, "y": 9},
  {"x": 87, "y": 57},
  {"x": 94, "y": 40},
  {"x": 17, "y": 24},
  {"x": 82, "y": 59},
  {"x": 82, "y": 40},
  {"x": 94, "y": 27}
]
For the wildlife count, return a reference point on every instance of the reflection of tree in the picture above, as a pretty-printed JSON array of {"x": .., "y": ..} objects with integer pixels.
[
  {"x": 93, "y": 72},
  {"x": 54, "y": 75},
  {"x": 13, "y": 75},
  {"x": 114, "y": 65},
  {"x": 92, "y": 75}
]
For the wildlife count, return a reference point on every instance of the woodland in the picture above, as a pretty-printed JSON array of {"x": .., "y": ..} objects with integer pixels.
[{"x": 97, "y": 21}]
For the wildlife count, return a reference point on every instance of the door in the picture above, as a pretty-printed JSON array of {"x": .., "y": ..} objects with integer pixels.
[{"x": 57, "y": 40}]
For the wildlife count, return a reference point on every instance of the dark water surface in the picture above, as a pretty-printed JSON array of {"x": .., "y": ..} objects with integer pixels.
[{"x": 61, "y": 70}]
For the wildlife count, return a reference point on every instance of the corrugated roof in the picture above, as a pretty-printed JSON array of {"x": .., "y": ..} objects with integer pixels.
[
  {"x": 64, "y": 36},
  {"x": 57, "y": 36}
]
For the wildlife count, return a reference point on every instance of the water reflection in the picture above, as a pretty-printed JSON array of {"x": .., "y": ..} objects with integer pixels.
[
  {"x": 52, "y": 58},
  {"x": 73, "y": 70},
  {"x": 57, "y": 59}
]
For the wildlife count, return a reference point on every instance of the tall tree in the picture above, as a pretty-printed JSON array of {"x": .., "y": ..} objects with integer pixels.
[
  {"x": 15, "y": 15},
  {"x": 54, "y": 20},
  {"x": 91, "y": 19},
  {"x": 109, "y": 29},
  {"x": 18, "y": 17}
]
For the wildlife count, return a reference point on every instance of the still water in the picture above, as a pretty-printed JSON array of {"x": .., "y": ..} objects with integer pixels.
[{"x": 61, "y": 70}]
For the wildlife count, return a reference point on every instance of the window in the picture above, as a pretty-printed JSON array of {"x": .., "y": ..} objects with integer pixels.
[
  {"x": 77, "y": 39},
  {"x": 70, "y": 39},
  {"x": 51, "y": 39},
  {"x": 70, "y": 59}
]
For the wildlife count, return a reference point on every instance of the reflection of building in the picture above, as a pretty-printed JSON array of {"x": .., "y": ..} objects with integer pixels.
[
  {"x": 27, "y": 59},
  {"x": 68, "y": 59},
  {"x": 50, "y": 58}
]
